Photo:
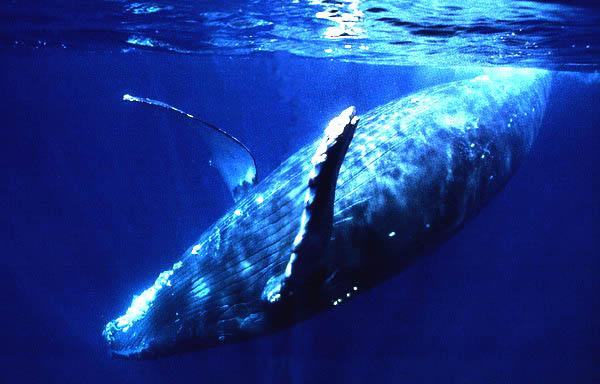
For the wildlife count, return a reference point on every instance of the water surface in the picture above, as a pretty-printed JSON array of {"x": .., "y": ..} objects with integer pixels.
[{"x": 406, "y": 32}]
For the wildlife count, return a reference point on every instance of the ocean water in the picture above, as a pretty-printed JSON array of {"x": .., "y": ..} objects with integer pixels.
[{"x": 98, "y": 199}]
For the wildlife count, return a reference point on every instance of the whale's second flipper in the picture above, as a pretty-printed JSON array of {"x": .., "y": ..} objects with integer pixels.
[
  {"x": 232, "y": 158},
  {"x": 317, "y": 216}
]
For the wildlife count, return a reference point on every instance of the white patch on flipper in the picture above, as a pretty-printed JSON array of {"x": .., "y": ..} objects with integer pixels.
[{"x": 326, "y": 163}]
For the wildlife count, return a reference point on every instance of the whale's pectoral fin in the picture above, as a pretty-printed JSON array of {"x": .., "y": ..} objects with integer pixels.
[
  {"x": 232, "y": 159},
  {"x": 317, "y": 216}
]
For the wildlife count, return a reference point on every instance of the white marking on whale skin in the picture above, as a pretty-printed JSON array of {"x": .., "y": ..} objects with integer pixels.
[
  {"x": 200, "y": 288},
  {"x": 347, "y": 295},
  {"x": 350, "y": 218},
  {"x": 354, "y": 204},
  {"x": 457, "y": 120},
  {"x": 215, "y": 241},
  {"x": 362, "y": 149},
  {"x": 272, "y": 290},
  {"x": 253, "y": 321},
  {"x": 142, "y": 303},
  {"x": 247, "y": 267}
]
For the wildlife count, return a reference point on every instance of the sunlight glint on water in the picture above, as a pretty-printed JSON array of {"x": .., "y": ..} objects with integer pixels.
[{"x": 421, "y": 32}]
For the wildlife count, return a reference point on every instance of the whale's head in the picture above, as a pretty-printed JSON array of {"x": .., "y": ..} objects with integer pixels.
[{"x": 151, "y": 325}]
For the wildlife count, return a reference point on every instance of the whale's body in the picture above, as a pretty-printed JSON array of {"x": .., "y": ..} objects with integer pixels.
[{"x": 415, "y": 170}]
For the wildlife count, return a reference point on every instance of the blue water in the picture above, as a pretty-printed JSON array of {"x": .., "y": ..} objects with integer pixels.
[{"x": 97, "y": 200}]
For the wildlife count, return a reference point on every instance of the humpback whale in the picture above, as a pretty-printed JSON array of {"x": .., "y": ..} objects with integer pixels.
[{"x": 339, "y": 216}]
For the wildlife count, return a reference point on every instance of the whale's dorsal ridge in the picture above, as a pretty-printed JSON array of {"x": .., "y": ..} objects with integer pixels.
[
  {"x": 231, "y": 157},
  {"x": 317, "y": 216}
]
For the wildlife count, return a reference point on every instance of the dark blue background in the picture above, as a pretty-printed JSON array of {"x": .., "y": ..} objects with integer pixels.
[{"x": 99, "y": 197}]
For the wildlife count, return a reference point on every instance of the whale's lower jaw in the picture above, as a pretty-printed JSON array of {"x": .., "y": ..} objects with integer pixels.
[
  {"x": 415, "y": 171},
  {"x": 342, "y": 287},
  {"x": 266, "y": 320}
]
